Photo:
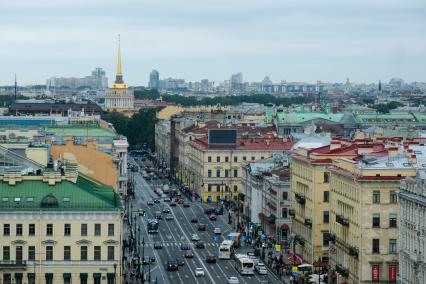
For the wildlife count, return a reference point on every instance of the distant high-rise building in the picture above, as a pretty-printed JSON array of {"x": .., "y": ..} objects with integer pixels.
[
  {"x": 347, "y": 87},
  {"x": 154, "y": 80},
  {"x": 97, "y": 81},
  {"x": 237, "y": 81}
]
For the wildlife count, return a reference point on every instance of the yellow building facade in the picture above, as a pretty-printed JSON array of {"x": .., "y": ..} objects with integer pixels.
[
  {"x": 364, "y": 218},
  {"x": 59, "y": 228}
]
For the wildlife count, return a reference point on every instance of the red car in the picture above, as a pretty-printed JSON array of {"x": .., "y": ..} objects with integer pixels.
[{"x": 181, "y": 201}]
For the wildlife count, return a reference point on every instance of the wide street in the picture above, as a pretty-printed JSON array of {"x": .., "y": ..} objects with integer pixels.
[{"x": 173, "y": 233}]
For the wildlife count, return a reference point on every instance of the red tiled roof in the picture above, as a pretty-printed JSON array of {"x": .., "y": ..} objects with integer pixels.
[{"x": 246, "y": 144}]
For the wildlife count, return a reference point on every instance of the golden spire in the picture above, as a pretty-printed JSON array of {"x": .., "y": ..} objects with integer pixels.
[{"x": 119, "y": 71}]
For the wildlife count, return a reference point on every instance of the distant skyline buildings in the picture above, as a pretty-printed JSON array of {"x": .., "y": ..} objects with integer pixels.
[
  {"x": 154, "y": 80},
  {"x": 97, "y": 81}
]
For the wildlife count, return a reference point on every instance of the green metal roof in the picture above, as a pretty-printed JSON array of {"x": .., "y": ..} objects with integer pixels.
[
  {"x": 81, "y": 131},
  {"x": 420, "y": 117},
  {"x": 36, "y": 195},
  {"x": 300, "y": 117},
  {"x": 388, "y": 117}
]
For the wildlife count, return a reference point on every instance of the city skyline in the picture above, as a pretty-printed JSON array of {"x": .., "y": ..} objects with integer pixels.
[{"x": 327, "y": 41}]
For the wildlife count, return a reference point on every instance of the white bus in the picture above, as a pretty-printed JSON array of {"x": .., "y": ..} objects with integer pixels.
[
  {"x": 244, "y": 265},
  {"x": 226, "y": 249}
]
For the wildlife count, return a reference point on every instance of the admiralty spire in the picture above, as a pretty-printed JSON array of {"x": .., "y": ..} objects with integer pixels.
[{"x": 119, "y": 97}]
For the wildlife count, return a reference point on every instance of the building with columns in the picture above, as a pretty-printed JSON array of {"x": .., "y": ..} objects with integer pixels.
[
  {"x": 119, "y": 97},
  {"x": 412, "y": 233}
]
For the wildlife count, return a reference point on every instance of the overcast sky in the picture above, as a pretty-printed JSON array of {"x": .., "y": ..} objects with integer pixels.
[{"x": 293, "y": 40}]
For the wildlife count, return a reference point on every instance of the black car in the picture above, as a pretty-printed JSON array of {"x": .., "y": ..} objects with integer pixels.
[
  {"x": 208, "y": 211},
  {"x": 194, "y": 220},
  {"x": 211, "y": 259},
  {"x": 148, "y": 259},
  {"x": 172, "y": 265},
  {"x": 158, "y": 245},
  {"x": 186, "y": 204},
  {"x": 157, "y": 201},
  {"x": 180, "y": 261},
  {"x": 200, "y": 245},
  {"x": 185, "y": 246}
]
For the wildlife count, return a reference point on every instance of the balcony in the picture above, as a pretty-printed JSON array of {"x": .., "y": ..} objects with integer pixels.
[
  {"x": 291, "y": 212},
  {"x": 300, "y": 199},
  {"x": 9, "y": 264},
  {"x": 342, "y": 220},
  {"x": 308, "y": 222},
  {"x": 332, "y": 238},
  {"x": 342, "y": 271},
  {"x": 353, "y": 251}
]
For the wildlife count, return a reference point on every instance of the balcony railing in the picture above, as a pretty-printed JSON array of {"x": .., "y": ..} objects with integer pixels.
[
  {"x": 291, "y": 212},
  {"x": 353, "y": 251},
  {"x": 342, "y": 271},
  {"x": 332, "y": 238},
  {"x": 308, "y": 222},
  {"x": 13, "y": 264},
  {"x": 342, "y": 220},
  {"x": 300, "y": 198}
]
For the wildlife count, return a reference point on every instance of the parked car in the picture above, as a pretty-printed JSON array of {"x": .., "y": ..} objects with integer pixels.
[
  {"x": 233, "y": 280},
  {"x": 199, "y": 271},
  {"x": 211, "y": 259},
  {"x": 201, "y": 227}
]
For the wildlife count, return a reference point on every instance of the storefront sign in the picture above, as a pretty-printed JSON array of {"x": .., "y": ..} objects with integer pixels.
[{"x": 375, "y": 273}]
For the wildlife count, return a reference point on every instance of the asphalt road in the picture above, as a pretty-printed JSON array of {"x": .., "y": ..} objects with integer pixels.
[{"x": 175, "y": 232}]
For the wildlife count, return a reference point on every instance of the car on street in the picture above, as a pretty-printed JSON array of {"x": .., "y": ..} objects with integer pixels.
[
  {"x": 201, "y": 227},
  {"x": 199, "y": 271},
  {"x": 211, "y": 259},
  {"x": 208, "y": 211},
  {"x": 194, "y": 220},
  {"x": 200, "y": 245},
  {"x": 181, "y": 201},
  {"x": 186, "y": 204},
  {"x": 166, "y": 199},
  {"x": 233, "y": 280},
  {"x": 180, "y": 261},
  {"x": 148, "y": 259},
  {"x": 172, "y": 203},
  {"x": 158, "y": 215},
  {"x": 212, "y": 217},
  {"x": 157, "y": 200},
  {"x": 217, "y": 231},
  {"x": 260, "y": 268},
  {"x": 189, "y": 254},
  {"x": 166, "y": 210},
  {"x": 172, "y": 265},
  {"x": 158, "y": 245},
  {"x": 169, "y": 217},
  {"x": 141, "y": 212},
  {"x": 195, "y": 238},
  {"x": 185, "y": 246}
]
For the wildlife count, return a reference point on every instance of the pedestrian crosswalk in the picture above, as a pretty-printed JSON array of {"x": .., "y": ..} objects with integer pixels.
[{"x": 178, "y": 244}]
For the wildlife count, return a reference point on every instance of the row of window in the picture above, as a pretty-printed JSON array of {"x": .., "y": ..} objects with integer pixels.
[
  {"x": 219, "y": 188},
  {"x": 392, "y": 246},
  {"x": 218, "y": 172},
  {"x": 393, "y": 196},
  {"x": 7, "y": 278},
  {"x": 48, "y": 255},
  {"x": 392, "y": 220},
  {"x": 226, "y": 160},
  {"x": 19, "y": 230}
]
